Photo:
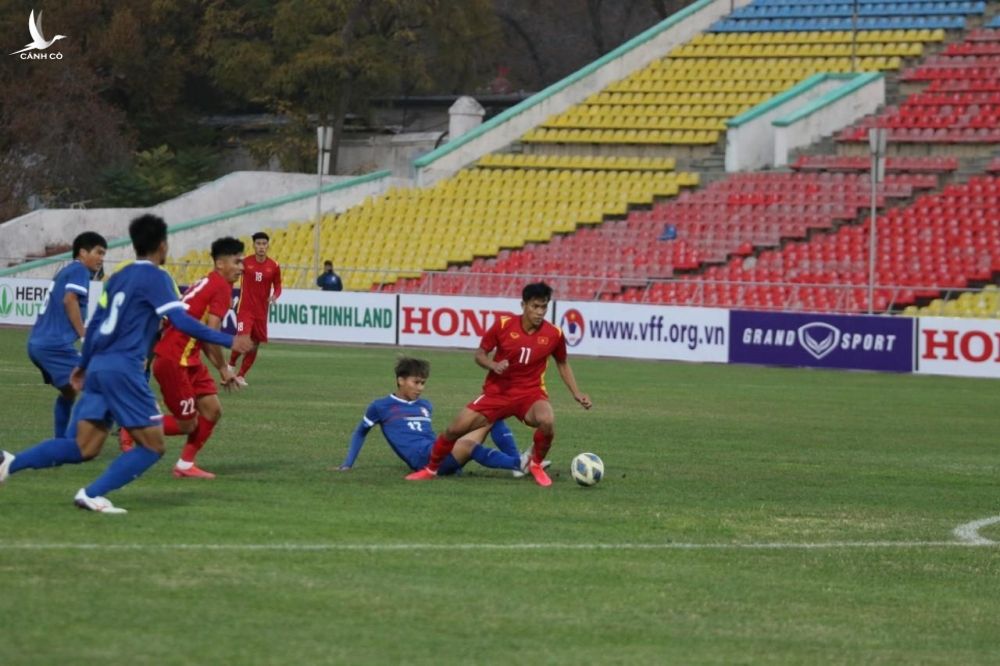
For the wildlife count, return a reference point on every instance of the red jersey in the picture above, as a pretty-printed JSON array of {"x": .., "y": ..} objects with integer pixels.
[
  {"x": 258, "y": 278},
  {"x": 210, "y": 295},
  {"x": 527, "y": 355}
]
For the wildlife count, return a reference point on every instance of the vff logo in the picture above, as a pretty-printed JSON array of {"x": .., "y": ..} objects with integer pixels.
[
  {"x": 38, "y": 42},
  {"x": 819, "y": 338},
  {"x": 572, "y": 326}
]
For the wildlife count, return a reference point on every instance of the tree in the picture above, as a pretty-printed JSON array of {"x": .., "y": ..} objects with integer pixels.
[
  {"x": 56, "y": 134},
  {"x": 315, "y": 61}
]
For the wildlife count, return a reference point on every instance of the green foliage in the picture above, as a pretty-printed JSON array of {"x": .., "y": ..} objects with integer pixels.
[
  {"x": 314, "y": 62},
  {"x": 158, "y": 174}
]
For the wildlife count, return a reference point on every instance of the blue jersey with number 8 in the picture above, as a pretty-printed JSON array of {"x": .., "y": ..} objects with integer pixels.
[{"x": 127, "y": 317}]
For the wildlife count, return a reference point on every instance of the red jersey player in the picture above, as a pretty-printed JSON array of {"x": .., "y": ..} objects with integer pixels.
[
  {"x": 189, "y": 392},
  {"x": 261, "y": 286},
  {"x": 515, "y": 383}
]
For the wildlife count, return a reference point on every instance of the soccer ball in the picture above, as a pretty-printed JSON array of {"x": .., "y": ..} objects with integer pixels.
[{"x": 587, "y": 469}]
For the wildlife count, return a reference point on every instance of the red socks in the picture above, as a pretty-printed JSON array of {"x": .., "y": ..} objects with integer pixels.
[
  {"x": 170, "y": 428},
  {"x": 197, "y": 439},
  {"x": 442, "y": 447},
  {"x": 542, "y": 445},
  {"x": 248, "y": 360}
]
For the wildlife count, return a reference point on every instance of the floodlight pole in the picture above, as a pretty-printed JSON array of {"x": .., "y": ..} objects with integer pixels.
[
  {"x": 876, "y": 145},
  {"x": 854, "y": 38},
  {"x": 324, "y": 142}
]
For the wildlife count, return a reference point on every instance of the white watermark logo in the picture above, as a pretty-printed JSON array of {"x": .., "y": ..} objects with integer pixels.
[{"x": 34, "y": 49}]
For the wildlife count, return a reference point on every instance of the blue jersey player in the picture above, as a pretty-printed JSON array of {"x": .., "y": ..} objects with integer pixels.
[
  {"x": 405, "y": 419},
  {"x": 52, "y": 343},
  {"x": 111, "y": 372}
]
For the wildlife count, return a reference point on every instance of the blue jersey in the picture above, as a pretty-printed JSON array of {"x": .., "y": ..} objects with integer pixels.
[
  {"x": 406, "y": 426},
  {"x": 128, "y": 316},
  {"x": 53, "y": 328}
]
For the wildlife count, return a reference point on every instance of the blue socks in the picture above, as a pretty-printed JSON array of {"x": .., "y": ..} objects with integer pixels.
[
  {"x": 50, "y": 453},
  {"x": 124, "y": 469},
  {"x": 61, "y": 411},
  {"x": 504, "y": 439},
  {"x": 489, "y": 457}
]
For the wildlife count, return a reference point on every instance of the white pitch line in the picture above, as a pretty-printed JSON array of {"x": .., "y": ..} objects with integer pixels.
[
  {"x": 967, "y": 536},
  {"x": 969, "y": 532},
  {"x": 395, "y": 547}
]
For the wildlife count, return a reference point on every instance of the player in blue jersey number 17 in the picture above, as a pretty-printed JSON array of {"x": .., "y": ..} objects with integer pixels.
[
  {"x": 405, "y": 419},
  {"x": 110, "y": 373}
]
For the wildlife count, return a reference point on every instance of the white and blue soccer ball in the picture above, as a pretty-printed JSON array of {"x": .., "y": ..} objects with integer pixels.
[{"x": 587, "y": 469}]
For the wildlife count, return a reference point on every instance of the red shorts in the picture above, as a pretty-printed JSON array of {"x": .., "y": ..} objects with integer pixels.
[
  {"x": 182, "y": 386},
  {"x": 496, "y": 407},
  {"x": 256, "y": 327}
]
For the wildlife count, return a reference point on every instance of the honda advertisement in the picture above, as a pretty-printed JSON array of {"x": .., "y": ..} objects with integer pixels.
[
  {"x": 451, "y": 321},
  {"x": 960, "y": 347},
  {"x": 644, "y": 331},
  {"x": 822, "y": 341}
]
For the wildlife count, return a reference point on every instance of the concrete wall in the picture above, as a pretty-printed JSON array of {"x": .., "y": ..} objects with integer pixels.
[
  {"x": 29, "y": 234},
  {"x": 750, "y": 136},
  {"x": 816, "y": 107},
  {"x": 187, "y": 235},
  {"x": 510, "y": 125},
  {"x": 806, "y": 126},
  {"x": 395, "y": 153}
]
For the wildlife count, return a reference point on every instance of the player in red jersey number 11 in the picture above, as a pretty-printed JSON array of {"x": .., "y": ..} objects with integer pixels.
[{"x": 515, "y": 383}]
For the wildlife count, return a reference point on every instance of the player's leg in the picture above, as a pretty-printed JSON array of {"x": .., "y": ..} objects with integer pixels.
[
  {"x": 541, "y": 417},
  {"x": 131, "y": 404},
  {"x": 62, "y": 409},
  {"x": 178, "y": 396},
  {"x": 124, "y": 469},
  {"x": 56, "y": 365},
  {"x": 466, "y": 421},
  {"x": 471, "y": 447},
  {"x": 258, "y": 333},
  {"x": 243, "y": 325},
  {"x": 57, "y": 451},
  {"x": 90, "y": 423},
  {"x": 209, "y": 412}
]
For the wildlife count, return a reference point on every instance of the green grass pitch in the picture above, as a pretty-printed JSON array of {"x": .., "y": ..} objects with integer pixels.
[{"x": 748, "y": 515}]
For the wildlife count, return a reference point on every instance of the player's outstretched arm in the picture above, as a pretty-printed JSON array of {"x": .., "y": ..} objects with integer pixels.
[
  {"x": 566, "y": 373},
  {"x": 188, "y": 325},
  {"x": 357, "y": 441}
]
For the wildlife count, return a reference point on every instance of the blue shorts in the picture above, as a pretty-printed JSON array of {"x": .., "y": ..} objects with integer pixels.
[
  {"x": 56, "y": 363},
  {"x": 118, "y": 396}
]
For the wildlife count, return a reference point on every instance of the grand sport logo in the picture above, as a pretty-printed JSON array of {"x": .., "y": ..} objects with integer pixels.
[
  {"x": 819, "y": 339},
  {"x": 35, "y": 49}
]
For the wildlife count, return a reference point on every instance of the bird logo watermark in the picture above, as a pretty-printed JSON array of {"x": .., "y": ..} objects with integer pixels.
[{"x": 35, "y": 49}]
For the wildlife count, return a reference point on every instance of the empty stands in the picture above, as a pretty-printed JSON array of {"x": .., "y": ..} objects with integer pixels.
[
  {"x": 505, "y": 202},
  {"x": 944, "y": 240},
  {"x": 960, "y": 103},
  {"x": 729, "y": 217}
]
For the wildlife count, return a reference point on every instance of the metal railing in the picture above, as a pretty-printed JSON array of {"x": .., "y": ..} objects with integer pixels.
[{"x": 684, "y": 290}]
